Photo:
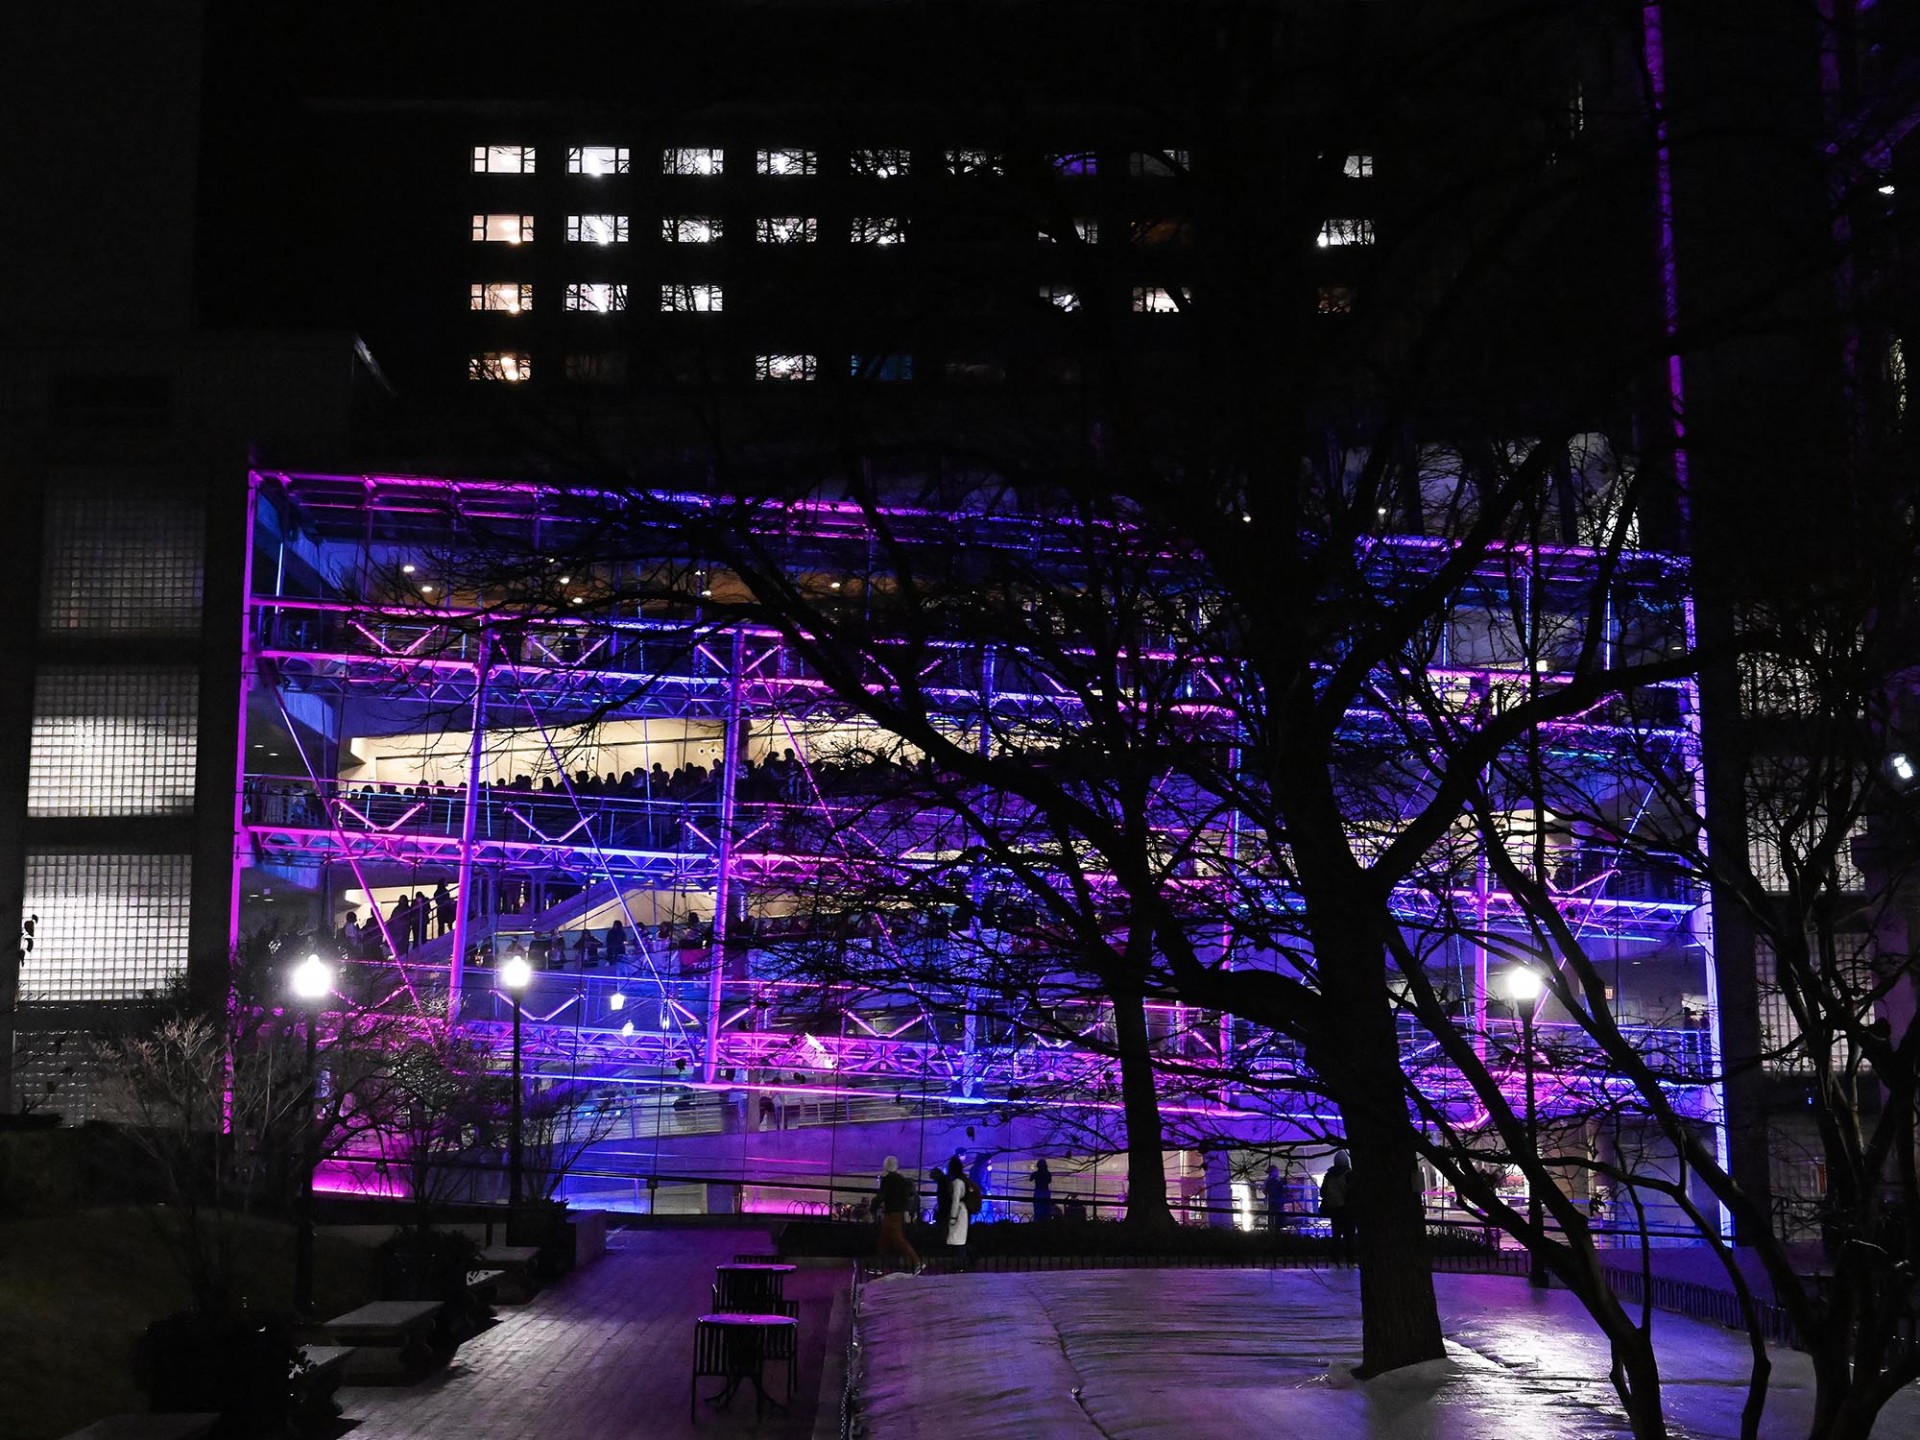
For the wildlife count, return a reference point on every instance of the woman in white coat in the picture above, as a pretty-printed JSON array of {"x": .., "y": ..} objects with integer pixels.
[{"x": 957, "y": 1217}]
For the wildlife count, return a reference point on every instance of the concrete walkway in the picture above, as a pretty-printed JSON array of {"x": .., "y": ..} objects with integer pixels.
[
  {"x": 1221, "y": 1354},
  {"x": 605, "y": 1355}
]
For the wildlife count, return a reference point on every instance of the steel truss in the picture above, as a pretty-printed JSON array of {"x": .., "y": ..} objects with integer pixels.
[{"x": 449, "y": 663}]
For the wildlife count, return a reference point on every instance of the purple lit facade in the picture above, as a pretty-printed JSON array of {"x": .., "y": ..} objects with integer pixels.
[{"x": 361, "y": 789}]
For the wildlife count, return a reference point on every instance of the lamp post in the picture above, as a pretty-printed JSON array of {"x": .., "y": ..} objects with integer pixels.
[
  {"x": 312, "y": 983},
  {"x": 1523, "y": 986},
  {"x": 514, "y": 975}
]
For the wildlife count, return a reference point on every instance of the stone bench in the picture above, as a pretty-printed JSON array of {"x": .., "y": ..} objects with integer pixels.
[
  {"x": 390, "y": 1339},
  {"x": 323, "y": 1369},
  {"x": 516, "y": 1271},
  {"x": 188, "y": 1425}
]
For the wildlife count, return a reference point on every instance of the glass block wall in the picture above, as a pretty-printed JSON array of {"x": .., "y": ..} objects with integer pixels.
[
  {"x": 111, "y": 927},
  {"x": 121, "y": 558},
  {"x": 113, "y": 742}
]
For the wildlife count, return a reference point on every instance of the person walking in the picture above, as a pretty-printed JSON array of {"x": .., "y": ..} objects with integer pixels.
[
  {"x": 1336, "y": 1195},
  {"x": 894, "y": 1199},
  {"x": 957, "y": 1214}
]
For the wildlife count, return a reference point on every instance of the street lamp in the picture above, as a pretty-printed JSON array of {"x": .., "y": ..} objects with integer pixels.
[
  {"x": 1523, "y": 986},
  {"x": 312, "y": 983},
  {"x": 514, "y": 975}
]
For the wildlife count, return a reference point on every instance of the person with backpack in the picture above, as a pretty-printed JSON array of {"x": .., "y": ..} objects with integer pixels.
[
  {"x": 963, "y": 1198},
  {"x": 893, "y": 1200},
  {"x": 1336, "y": 1194}
]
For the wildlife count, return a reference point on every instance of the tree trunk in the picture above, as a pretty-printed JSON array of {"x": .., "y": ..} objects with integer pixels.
[
  {"x": 1140, "y": 1105},
  {"x": 1399, "y": 1319}
]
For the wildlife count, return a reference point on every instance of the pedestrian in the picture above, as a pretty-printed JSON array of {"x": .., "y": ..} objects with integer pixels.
[
  {"x": 1335, "y": 1203},
  {"x": 443, "y": 907},
  {"x": 1042, "y": 1179},
  {"x": 1275, "y": 1191},
  {"x": 957, "y": 1214},
  {"x": 982, "y": 1176},
  {"x": 937, "y": 1178},
  {"x": 893, "y": 1200}
]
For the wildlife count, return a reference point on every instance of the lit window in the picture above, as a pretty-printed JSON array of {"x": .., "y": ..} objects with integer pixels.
[
  {"x": 509, "y": 366},
  {"x": 878, "y": 164},
  {"x": 597, "y": 229},
  {"x": 1346, "y": 232},
  {"x": 597, "y": 298},
  {"x": 1170, "y": 233},
  {"x": 609, "y": 368},
  {"x": 117, "y": 559},
  {"x": 1157, "y": 163},
  {"x": 682, "y": 299},
  {"x": 597, "y": 160},
  {"x": 785, "y": 162},
  {"x": 112, "y": 742},
  {"x": 786, "y": 229},
  {"x": 503, "y": 229},
  {"x": 1061, "y": 297},
  {"x": 1075, "y": 162},
  {"x": 1358, "y": 167},
  {"x": 976, "y": 162},
  {"x": 877, "y": 230},
  {"x": 882, "y": 367},
  {"x": 503, "y": 159},
  {"x": 508, "y": 296},
  {"x": 691, "y": 162},
  {"x": 1154, "y": 300},
  {"x": 690, "y": 229},
  {"x": 1086, "y": 230},
  {"x": 1336, "y": 299},
  {"x": 784, "y": 367},
  {"x": 112, "y": 927}
]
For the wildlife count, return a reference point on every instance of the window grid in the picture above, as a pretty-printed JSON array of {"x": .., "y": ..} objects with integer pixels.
[
  {"x": 600, "y": 299},
  {"x": 691, "y": 229},
  {"x": 112, "y": 927},
  {"x": 498, "y": 229},
  {"x": 877, "y": 230},
  {"x": 1156, "y": 300},
  {"x": 501, "y": 295},
  {"x": 685, "y": 299},
  {"x": 1346, "y": 232},
  {"x": 692, "y": 162},
  {"x": 121, "y": 560},
  {"x": 879, "y": 164},
  {"x": 786, "y": 229},
  {"x": 597, "y": 229},
  {"x": 786, "y": 162},
  {"x": 113, "y": 742},
  {"x": 976, "y": 162},
  {"x": 507, "y": 366},
  {"x": 1158, "y": 164},
  {"x": 784, "y": 367},
  {"x": 503, "y": 159},
  {"x": 597, "y": 160}
]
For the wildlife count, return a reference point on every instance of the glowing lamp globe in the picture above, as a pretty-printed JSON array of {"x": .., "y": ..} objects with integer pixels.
[
  {"x": 515, "y": 972},
  {"x": 312, "y": 979},
  {"x": 1523, "y": 985}
]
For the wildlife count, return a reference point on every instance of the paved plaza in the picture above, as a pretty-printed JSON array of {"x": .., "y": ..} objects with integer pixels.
[
  {"x": 1199, "y": 1354},
  {"x": 1075, "y": 1355},
  {"x": 605, "y": 1355}
]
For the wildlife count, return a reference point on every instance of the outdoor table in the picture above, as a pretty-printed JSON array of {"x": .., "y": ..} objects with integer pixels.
[
  {"x": 750, "y": 1284},
  {"x": 734, "y": 1348}
]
